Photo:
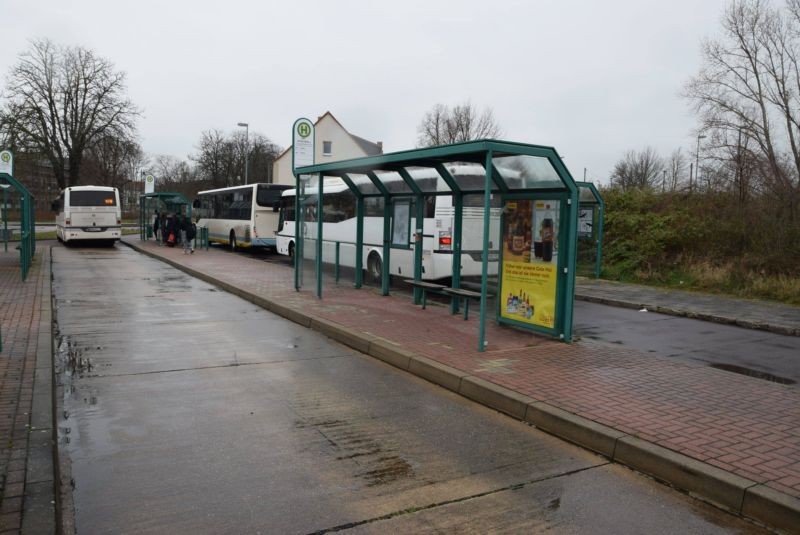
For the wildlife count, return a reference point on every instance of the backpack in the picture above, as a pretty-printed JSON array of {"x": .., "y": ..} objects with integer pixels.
[{"x": 171, "y": 238}]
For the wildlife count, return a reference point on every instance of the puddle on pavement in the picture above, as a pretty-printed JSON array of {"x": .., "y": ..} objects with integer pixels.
[{"x": 754, "y": 373}]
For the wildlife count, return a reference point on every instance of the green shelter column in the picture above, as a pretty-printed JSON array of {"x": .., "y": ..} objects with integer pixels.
[
  {"x": 359, "y": 242},
  {"x": 487, "y": 194},
  {"x": 387, "y": 230},
  {"x": 298, "y": 238},
  {"x": 458, "y": 216},
  {"x": 319, "y": 235},
  {"x": 418, "y": 230},
  {"x": 359, "y": 260}
]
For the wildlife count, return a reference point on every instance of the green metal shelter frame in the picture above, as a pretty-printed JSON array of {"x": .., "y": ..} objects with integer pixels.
[
  {"x": 590, "y": 199},
  {"x": 542, "y": 174},
  {"x": 149, "y": 202},
  {"x": 27, "y": 242}
]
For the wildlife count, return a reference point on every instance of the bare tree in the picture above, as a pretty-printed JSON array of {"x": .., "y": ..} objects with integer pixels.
[
  {"x": 212, "y": 158},
  {"x": 59, "y": 101},
  {"x": 676, "y": 168},
  {"x": 638, "y": 169},
  {"x": 263, "y": 153},
  {"x": 111, "y": 161},
  {"x": 221, "y": 159},
  {"x": 748, "y": 96},
  {"x": 442, "y": 125}
]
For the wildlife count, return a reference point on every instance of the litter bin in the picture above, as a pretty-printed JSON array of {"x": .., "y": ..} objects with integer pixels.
[{"x": 149, "y": 231}]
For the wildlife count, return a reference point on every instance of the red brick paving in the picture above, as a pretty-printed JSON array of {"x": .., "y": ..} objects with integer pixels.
[
  {"x": 747, "y": 426},
  {"x": 20, "y": 306}
]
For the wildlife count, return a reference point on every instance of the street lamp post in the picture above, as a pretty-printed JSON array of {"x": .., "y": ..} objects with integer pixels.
[
  {"x": 697, "y": 164},
  {"x": 246, "y": 149}
]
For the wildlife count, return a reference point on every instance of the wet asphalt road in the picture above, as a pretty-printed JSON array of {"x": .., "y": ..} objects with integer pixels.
[
  {"x": 188, "y": 410},
  {"x": 762, "y": 354}
]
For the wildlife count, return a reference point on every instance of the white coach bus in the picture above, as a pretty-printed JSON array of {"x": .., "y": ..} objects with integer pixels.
[
  {"x": 339, "y": 224},
  {"x": 240, "y": 216},
  {"x": 88, "y": 213}
]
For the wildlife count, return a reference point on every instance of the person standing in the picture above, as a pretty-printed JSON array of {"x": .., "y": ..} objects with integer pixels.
[
  {"x": 156, "y": 226},
  {"x": 187, "y": 235}
]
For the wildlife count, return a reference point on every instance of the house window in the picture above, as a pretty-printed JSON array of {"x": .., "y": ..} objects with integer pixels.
[{"x": 327, "y": 148}]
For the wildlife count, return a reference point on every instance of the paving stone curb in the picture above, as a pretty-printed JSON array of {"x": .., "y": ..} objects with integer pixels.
[
  {"x": 39, "y": 514},
  {"x": 714, "y": 318},
  {"x": 724, "y": 489}
]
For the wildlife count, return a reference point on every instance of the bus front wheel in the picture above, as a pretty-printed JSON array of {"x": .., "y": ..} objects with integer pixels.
[
  {"x": 375, "y": 267},
  {"x": 232, "y": 241}
]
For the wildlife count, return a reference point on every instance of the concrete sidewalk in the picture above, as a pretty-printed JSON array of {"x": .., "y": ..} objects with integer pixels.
[
  {"x": 27, "y": 495},
  {"x": 729, "y": 439},
  {"x": 748, "y": 313}
]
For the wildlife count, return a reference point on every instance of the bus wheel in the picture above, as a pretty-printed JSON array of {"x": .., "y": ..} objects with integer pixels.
[
  {"x": 375, "y": 267},
  {"x": 291, "y": 252},
  {"x": 232, "y": 241}
]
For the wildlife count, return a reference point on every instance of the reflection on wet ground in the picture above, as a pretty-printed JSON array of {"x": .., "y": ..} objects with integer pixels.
[{"x": 189, "y": 410}]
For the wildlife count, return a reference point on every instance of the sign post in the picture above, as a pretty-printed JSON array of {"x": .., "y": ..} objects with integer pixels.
[
  {"x": 302, "y": 143},
  {"x": 6, "y": 163},
  {"x": 6, "y": 167},
  {"x": 302, "y": 155},
  {"x": 149, "y": 184}
]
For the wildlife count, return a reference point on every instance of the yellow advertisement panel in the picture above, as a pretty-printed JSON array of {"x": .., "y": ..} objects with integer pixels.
[{"x": 530, "y": 262}]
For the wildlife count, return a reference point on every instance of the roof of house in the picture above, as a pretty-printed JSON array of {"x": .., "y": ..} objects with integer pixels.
[{"x": 369, "y": 148}]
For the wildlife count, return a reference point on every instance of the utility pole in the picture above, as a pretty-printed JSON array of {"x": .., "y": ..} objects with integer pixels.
[
  {"x": 697, "y": 164},
  {"x": 246, "y": 148}
]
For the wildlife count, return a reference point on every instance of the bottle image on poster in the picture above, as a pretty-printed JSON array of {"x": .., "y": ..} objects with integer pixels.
[{"x": 530, "y": 260}]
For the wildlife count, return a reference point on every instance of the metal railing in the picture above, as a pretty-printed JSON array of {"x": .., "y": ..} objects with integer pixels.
[{"x": 201, "y": 238}]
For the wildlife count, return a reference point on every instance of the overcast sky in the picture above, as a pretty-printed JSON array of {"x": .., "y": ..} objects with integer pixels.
[{"x": 592, "y": 79}]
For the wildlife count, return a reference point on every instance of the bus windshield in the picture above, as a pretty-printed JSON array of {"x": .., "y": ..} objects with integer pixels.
[{"x": 92, "y": 198}]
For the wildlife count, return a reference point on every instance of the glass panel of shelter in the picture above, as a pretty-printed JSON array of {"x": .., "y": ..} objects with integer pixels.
[
  {"x": 469, "y": 177},
  {"x": 364, "y": 184},
  {"x": 524, "y": 172},
  {"x": 428, "y": 180},
  {"x": 394, "y": 183}
]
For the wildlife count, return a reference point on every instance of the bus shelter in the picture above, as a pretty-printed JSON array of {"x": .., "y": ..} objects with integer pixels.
[
  {"x": 590, "y": 222},
  {"x": 175, "y": 203},
  {"x": 16, "y": 196},
  {"x": 528, "y": 211}
]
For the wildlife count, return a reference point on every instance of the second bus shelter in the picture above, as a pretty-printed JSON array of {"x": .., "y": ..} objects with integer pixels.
[{"x": 533, "y": 247}]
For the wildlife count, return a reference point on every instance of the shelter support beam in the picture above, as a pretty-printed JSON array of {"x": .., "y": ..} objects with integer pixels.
[
  {"x": 298, "y": 237},
  {"x": 458, "y": 216},
  {"x": 487, "y": 193},
  {"x": 320, "y": 205},
  {"x": 359, "y": 264},
  {"x": 387, "y": 230}
]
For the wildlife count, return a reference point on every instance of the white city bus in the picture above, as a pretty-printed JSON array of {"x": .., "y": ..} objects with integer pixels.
[
  {"x": 339, "y": 224},
  {"x": 240, "y": 216},
  {"x": 88, "y": 213}
]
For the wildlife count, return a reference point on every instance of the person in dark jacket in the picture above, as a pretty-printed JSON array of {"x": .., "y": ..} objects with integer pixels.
[
  {"x": 187, "y": 235},
  {"x": 156, "y": 223}
]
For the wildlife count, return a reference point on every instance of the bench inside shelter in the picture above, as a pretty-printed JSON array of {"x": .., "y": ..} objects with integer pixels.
[{"x": 462, "y": 295}]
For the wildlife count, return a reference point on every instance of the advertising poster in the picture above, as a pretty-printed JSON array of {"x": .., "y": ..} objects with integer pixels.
[{"x": 530, "y": 262}]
